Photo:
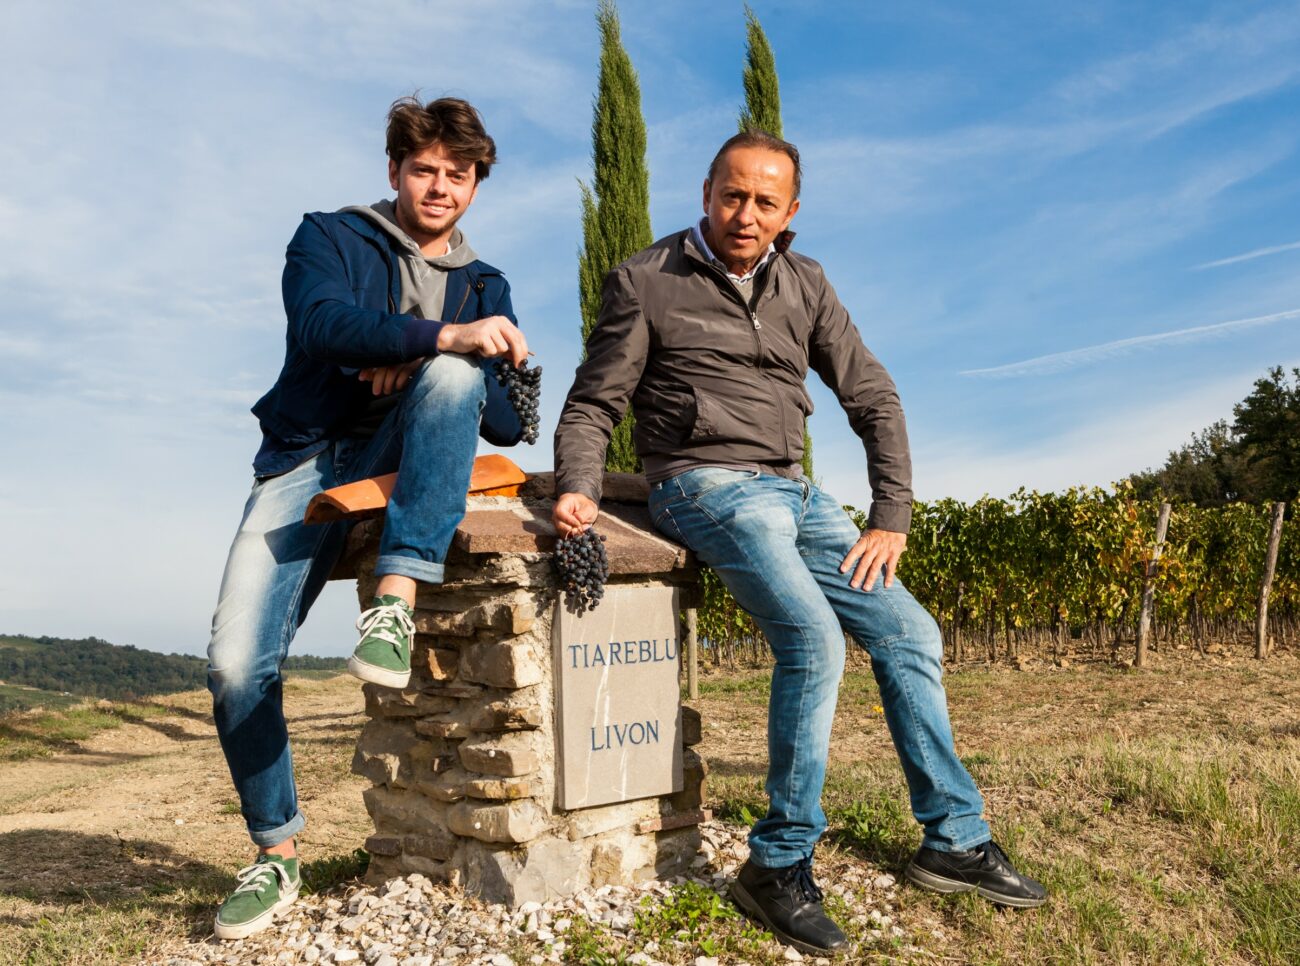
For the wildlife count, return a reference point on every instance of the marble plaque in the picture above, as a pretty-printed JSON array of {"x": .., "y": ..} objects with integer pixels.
[{"x": 618, "y": 700}]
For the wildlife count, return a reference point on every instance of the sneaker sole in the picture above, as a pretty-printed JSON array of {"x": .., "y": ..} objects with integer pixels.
[
  {"x": 938, "y": 883},
  {"x": 374, "y": 674},
  {"x": 746, "y": 904},
  {"x": 244, "y": 929}
]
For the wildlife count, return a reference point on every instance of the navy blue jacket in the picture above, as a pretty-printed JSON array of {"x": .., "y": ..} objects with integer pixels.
[{"x": 342, "y": 286}]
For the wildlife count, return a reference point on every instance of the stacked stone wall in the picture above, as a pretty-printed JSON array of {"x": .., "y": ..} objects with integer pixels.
[{"x": 463, "y": 761}]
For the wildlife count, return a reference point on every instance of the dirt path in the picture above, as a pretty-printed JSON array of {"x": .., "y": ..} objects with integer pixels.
[{"x": 151, "y": 802}]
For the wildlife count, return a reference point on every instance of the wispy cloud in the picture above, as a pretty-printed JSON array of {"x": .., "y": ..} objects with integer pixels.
[
  {"x": 1247, "y": 256},
  {"x": 1073, "y": 358},
  {"x": 1089, "y": 447},
  {"x": 1211, "y": 42}
]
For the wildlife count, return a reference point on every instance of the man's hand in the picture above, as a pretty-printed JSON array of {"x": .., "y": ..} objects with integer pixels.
[
  {"x": 389, "y": 379},
  {"x": 574, "y": 513},
  {"x": 874, "y": 549},
  {"x": 493, "y": 336}
]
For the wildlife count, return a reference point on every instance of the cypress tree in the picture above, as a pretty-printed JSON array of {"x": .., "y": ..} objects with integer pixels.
[
  {"x": 762, "y": 110},
  {"x": 616, "y": 205}
]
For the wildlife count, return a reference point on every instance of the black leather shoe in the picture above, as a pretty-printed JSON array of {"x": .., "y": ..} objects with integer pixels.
[
  {"x": 984, "y": 869},
  {"x": 788, "y": 902}
]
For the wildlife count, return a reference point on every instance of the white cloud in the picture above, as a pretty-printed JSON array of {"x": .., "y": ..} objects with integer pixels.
[
  {"x": 1094, "y": 449},
  {"x": 1073, "y": 358},
  {"x": 1250, "y": 255}
]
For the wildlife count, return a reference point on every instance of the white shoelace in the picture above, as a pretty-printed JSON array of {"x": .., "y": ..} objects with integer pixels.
[
  {"x": 253, "y": 877},
  {"x": 369, "y": 619}
]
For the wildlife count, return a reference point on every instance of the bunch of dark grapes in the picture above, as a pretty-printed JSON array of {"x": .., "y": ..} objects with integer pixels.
[
  {"x": 583, "y": 568},
  {"x": 524, "y": 387}
]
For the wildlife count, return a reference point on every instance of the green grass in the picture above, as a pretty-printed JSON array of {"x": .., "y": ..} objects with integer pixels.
[
  {"x": 753, "y": 683},
  {"x": 17, "y": 697},
  {"x": 42, "y": 733},
  {"x": 1177, "y": 850},
  {"x": 117, "y": 924},
  {"x": 1172, "y": 843},
  {"x": 315, "y": 674},
  {"x": 690, "y": 921},
  {"x": 321, "y": 875}
]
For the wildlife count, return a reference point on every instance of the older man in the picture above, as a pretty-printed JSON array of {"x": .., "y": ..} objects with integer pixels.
[{"x": 709, "y": 334}]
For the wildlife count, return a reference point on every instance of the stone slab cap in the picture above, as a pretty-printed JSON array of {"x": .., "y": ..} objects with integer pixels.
[
  {"x": 493, "y": 475},
  {"x": 630, "y": 544},
  {"x": 614, "y": 487}
]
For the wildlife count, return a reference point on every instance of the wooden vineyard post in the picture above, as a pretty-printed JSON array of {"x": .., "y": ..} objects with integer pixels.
[
  {"x": 1149, "y": 588},
  {"x": 692, "y": 656},
  {"x": 1266, "y": 585}
]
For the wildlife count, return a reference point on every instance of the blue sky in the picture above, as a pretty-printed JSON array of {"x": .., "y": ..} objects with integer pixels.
[{"x": 1072, "y": 234}]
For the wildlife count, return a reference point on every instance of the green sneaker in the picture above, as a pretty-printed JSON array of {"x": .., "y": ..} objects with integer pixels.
[
  {"x": 384, "y": 654},
  {"x": 266, "y": 887}
]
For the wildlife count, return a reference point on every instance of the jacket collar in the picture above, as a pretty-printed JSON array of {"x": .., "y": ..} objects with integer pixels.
[{"x": 781, "y": 243}]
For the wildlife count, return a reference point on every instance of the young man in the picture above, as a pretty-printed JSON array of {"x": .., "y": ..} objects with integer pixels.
[
  {"x": 709, "y": 334},
  {"x": 391, "y": 322}
]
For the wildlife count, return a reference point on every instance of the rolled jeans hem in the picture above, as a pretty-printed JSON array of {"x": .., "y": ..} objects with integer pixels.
[
  {"x": 275, "y": 836},
  {"x": 413, "y": 567},
  {"x": 775, "y": 860},
  {"x": 963, "y": 844}
]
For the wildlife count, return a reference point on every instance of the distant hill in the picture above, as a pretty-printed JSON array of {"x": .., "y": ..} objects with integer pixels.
[{"x": 92, "y": 667}]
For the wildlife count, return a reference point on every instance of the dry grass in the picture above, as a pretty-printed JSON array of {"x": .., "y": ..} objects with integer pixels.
[{"x": 1161, "y": 807}]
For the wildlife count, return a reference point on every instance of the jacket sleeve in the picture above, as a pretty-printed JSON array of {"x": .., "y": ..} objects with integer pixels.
[
  {"x": 500, "y": 424},
  {"x": 604, "y": 383},
  {"x": 324, "y": 318},
  {"x": 869, "y": 397}
]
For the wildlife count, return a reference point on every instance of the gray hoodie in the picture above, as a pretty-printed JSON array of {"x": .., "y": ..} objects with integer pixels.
[
  {"x": 424, "y": 289},
  {"x": 424, "y": 280}
]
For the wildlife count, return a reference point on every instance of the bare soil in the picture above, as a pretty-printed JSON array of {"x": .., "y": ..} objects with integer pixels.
[
  {"x": 148, "y": 808},
  {"x": 150, "y": 804}
]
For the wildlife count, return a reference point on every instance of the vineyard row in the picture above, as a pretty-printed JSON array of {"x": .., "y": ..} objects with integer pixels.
[{"x": 1065, "y": 571}]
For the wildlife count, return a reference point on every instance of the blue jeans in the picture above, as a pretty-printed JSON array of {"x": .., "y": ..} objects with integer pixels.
[
  {"x": 278, "y": 566},
  {"x": 778, "y": 544}
]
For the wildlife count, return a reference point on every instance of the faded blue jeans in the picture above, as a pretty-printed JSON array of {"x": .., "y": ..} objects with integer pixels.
[
  {"x": 778, "y": 544},
  {"x": 278, "y": 566}
]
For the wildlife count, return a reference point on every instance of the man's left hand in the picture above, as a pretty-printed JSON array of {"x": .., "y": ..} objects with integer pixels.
[
  {"x": 874, "y": 549},
  {"x": 389, "y": 379}
]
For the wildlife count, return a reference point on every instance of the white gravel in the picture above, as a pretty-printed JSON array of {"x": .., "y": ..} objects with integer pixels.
[{"x": 413, "y": 922}]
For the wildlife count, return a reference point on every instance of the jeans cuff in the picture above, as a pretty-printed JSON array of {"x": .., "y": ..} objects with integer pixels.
[
  {"x": 413, "y": 567},
  {"x": 275, "y": 836},
  {"x": 778, "y": 856},
  {"x": 964, "y": 837}
]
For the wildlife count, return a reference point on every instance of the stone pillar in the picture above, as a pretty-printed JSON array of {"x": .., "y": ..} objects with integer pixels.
[{"x": 464, "y": 760}]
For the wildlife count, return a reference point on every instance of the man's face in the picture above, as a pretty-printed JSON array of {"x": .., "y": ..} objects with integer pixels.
[
  {"x": 749, "y": 201},
  {"x": 433, "y": 190}
]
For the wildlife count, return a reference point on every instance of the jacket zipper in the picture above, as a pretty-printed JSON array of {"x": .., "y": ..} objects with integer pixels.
[
  {"x": 740, "y": 299},
  {"x": 463, "y": 299},
  {"x": 758, "y": 337}
]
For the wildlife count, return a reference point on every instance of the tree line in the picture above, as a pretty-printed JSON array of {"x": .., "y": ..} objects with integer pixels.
[
  {"x": 96, "y": 668},
  {"x": 1252, "y": 459}
]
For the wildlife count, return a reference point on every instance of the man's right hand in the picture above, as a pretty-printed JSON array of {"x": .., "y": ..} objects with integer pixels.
[
  {"x": 493, "y": 336},
  {"x": 574, "y": 513}
]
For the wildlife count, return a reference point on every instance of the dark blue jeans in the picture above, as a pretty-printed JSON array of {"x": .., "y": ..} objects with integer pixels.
[
  {"x": 278, "y": 566},
  {"x": 778, "y": 544}
]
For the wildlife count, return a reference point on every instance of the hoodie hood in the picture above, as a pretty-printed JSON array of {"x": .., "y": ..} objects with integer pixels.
[{"x": 424, "y": 279}]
